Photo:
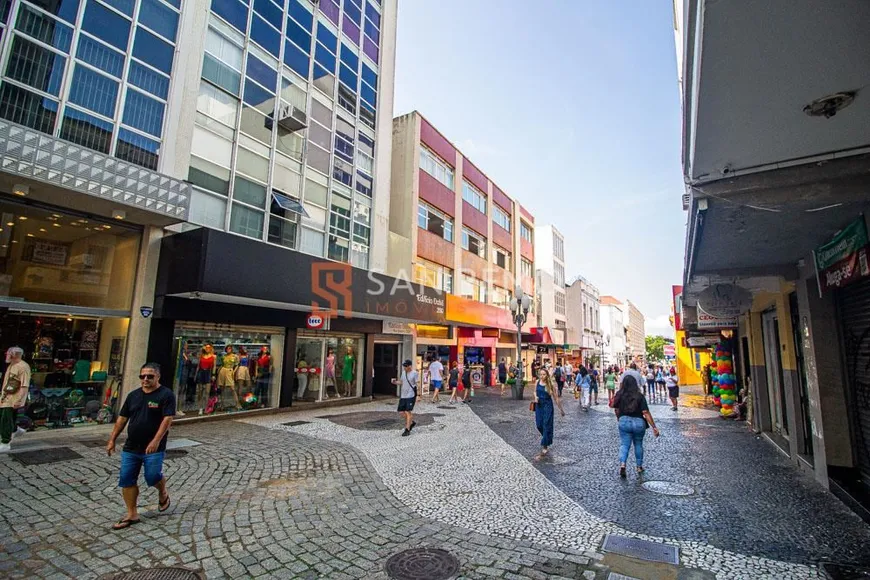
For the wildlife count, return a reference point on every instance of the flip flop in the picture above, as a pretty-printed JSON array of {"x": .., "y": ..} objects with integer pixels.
[
  {"x": 163, "y": 507},
  {"x": 125, "y": 523}
]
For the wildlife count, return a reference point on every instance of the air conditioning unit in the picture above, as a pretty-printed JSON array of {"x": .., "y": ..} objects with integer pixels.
[
  {"x": 687, "y": 201},
  {"x": 292, "y": 118}
]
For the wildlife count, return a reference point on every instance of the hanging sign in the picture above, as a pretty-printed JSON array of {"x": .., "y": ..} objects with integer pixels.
[
  {"x": 725, "y": 300},
  {"x": 314, "y": 321},
  {"x": 146, "y": 311},
  {"x": 844, "y": 259},
  {"x": 708, "y": 321},
  {"x": 702, "y": 341}
]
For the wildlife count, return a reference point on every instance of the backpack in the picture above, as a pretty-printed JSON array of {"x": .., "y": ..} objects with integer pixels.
[{"x": 557, "y": 374}]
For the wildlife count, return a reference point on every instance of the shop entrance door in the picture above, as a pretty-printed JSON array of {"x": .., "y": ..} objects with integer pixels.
[
  {"x": 386, "y": 366},
  {"x": 773, "y": 366}
]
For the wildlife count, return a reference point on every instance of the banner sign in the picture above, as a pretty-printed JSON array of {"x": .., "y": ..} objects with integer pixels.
[
  {"x": 702, "y": 341},
  {"x": 708, "y": 321},
  {"x": 725, "y": 300},
  {"x": 843, "y": 260}
]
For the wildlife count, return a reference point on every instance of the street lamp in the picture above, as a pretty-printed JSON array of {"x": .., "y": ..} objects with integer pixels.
[{"x": 520, "y": 304}]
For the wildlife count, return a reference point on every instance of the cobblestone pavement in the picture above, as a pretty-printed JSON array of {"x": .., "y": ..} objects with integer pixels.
[{"x": 748, "y": 497}]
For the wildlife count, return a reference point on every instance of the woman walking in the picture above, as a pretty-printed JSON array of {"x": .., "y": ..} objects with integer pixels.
[
  {"x": 660, "y": 381},
  {"x": 610, "y": 384},
  {"x": 584, "y": 382},
  {"x": 673, "y": 388},
  {"x": 651, "y": 383},
  {"x": 545, "y": 395},
  {"x": 634, "y": 417},
  {"x": 453, "y": 381}
]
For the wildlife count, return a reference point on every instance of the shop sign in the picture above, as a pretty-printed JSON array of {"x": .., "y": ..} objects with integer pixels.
[
  {"x": 708, "y": 321},
  {"x": 702, "y": 341},
  {"x": 725, "y": 300},
  {"x": 670, "y": 350},
  {"x": 315, "y": 321},
  {"x": 844, "y": 259},
  {"x": 392, "y": 327},
  {"x": 542, "y": 350},
  {"x": 146, "y": 311}
]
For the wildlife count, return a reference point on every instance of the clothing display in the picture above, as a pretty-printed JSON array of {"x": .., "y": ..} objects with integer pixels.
[
  {"x": 206, "y": 367},
  {"x": 329, "y": 367},
  {"x": 82, "y": 371},
  {"x": 227, "y": 374},
  {"x": 347, "y": 369}
]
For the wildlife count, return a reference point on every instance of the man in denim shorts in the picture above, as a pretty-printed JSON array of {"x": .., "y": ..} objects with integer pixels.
[{"x": 147, "y": 413}]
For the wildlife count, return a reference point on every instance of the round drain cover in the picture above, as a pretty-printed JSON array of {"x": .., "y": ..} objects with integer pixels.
[
  {"x": 169, "y": 573},
  {"x": 422, "y": 564},
  {"x": 667, "y": 488}
]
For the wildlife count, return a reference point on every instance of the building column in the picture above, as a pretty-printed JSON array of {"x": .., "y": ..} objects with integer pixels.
[
  {"x": 143, "y": 295},
  {"x": 761, "y": 420},
  {"x": 790, "y": 379}
]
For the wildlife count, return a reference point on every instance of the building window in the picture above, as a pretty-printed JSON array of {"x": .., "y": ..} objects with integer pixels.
[
  {"x": 526, "y": 232},
  {"x": 558, "y": 247},
  {"x": 473, "y": 243},
  {"x": 500, "y": 217},
  {"x": 559, "y": 274},
  {"x": 474, "y": 197},
  {"x": 432, "y": 164},
  {"x": 473, "y": 289},
  {"x": 560, "y": 303},
  {"x": 500, "y": 297},
  {"x": 433, "y": 275},
  {"x": 501, "y": 257},
  {"x": 526, "y": 268},
  {"x": 432, "y": 220}
]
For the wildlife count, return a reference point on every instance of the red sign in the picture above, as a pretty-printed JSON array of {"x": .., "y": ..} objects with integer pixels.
[
  {"x": 677, "y": 307},
  {"x": 842, "y": 272},
  {"x": 315, "y": 321},
  {"x": 670, "y": 351}
]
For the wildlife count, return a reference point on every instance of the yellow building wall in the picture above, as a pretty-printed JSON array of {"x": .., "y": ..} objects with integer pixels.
[{"x": 686, "y": 372}]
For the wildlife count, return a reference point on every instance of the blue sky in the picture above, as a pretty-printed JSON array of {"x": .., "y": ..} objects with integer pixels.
[{"x": 571, "y": 107}]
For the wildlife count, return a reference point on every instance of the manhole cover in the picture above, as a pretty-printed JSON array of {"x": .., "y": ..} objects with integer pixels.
[
  {"x": 642, "y": 549},
  {"x": 422, "y": 564},
  {"x": 845, "y": 572},
  {"x": 171, "y": 573},
  {"x": 92, "y": 442},
  {"x": 667, "y": 488},
  {"x": 45, "y": 456},
  {"x": 173, "y": 453},
  {"x": 296, "y": 423}
]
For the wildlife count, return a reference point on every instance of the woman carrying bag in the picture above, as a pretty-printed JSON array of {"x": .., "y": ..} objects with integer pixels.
[{"x": 545, "y": 395}]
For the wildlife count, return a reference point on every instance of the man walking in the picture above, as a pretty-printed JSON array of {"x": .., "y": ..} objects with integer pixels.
[
  {"x": 407, "y": 395},
  {"x": 148, "y": 411},
  {"x": 436, "y": 376},
  {"x": 16, "y": 383}
]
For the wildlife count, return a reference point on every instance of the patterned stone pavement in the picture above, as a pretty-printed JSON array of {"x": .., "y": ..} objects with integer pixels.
[{"x": 334, "y": 497}]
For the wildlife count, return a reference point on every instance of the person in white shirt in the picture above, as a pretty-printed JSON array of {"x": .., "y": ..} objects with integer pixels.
[
  {"x": 16, "y": 382},
  {"x": 436, "y": 377},
  {"x": 632, "y": 372},
  {"x": 407, "y": 395}
]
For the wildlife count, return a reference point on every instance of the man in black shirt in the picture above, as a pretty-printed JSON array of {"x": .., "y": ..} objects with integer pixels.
[{"x": 148, "y": 411}]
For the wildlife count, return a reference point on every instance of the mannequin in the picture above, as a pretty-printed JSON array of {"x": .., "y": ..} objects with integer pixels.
[
  {"x": 264, "y": 375},
  {"x": 329, "y": 375},
  {"x": 186, "y": 377},
  {"x": 301, "y": 376},
  {"x": 347, "y": 371},
  {"x": 204, "y": 372},
  {"x": 227, "y": 375},
  {"x": 243, "y": 373}
]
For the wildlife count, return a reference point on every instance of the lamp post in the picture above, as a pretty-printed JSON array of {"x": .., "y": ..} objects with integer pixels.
[{"x": 520, "y": 304}]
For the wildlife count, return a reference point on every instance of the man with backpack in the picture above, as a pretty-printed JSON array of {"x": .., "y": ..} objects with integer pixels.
[
  {"x": 559, "y": 375},
  {"x": 407, "y": 395}
]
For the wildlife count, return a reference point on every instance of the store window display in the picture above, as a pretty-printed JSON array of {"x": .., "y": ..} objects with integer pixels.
[
  {"x": 327, "y": 366},
  {"x": 217, "y": 372}
]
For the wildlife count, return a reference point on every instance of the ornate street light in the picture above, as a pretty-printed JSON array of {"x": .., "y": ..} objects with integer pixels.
[{"x": 520, "y": 304}]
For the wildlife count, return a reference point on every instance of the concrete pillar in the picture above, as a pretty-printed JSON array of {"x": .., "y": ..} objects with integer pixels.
[
  {"x": 790, "y": 378},
  {"x": 143, "y": 295}
]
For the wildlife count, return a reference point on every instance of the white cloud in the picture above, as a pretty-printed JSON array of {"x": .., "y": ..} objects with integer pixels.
[{"x": 660, "y": 325}]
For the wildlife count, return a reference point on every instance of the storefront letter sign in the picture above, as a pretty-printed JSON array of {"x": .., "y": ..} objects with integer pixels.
[
  {"x": 843, "y": 260},
  {"x": 314, "y": 321}
]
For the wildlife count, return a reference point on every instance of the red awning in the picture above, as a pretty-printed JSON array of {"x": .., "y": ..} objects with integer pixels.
[{"x": 539, "y": 335}]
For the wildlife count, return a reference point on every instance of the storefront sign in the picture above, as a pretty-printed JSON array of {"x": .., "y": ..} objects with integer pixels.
[
  {"x": 476, "y": 313},
  {"x": 844, "y": 259},
  {"x": 392, "y": 327},
  {"x": 725, "y": 300},
  {"x": 670, "y": 350},
  {"x": 314, "y": 321},
  {"x": 677, "y": 307},
  {"x": 702, "y": 341},
  {"x": 145, "y": 311},
  {"x": 708, "y": 321}
]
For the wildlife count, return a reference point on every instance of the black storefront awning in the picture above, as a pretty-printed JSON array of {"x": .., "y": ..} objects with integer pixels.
[{"x": 214, "y": 264}]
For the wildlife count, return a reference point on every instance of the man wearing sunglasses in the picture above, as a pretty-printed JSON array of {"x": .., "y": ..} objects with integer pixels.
[{"x": 148, "y": 412}]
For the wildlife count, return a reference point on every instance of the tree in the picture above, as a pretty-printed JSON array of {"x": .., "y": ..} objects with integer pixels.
[{"x": 655, "y": 348}]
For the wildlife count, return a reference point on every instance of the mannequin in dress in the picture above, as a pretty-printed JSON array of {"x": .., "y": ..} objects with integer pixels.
[
  {"x": 301, "y": 375},
  {"x": 347, "y": 371},
  {"x": 227, "y": 374},
  {"x": 264, "y": 376},
  {"x": 204, "y": 372},
  {"x": 329, "y": 374},
  {"x": 243, "y": 373}
]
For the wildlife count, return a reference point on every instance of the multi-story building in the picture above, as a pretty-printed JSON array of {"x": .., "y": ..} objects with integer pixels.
[
  {"x": 469, "y": 240},
  {"x": 636, "y": 332},
  {"x": 613, "y": 327},
  {"x": 550, "y": 275},
  {"x": 584, "y": 318},
  {"x": 259, "y": 134}
]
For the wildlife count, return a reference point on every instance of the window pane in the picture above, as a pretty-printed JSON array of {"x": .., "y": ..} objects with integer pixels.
[
  {"x": 93, "y": 91},
  {"x": 220, "y": 74},
  {"x": 269, "y": 11},
  {"x": 143, "y": 113},
  {"x": 149, "y": 80},
  {"x": 99, "y": 55},
  {"x": 251, "y": 164},
  {"x": 125, "y": 6},
  {"x": 261, "y": 72},
  {"x": 209, "y": 176},
  {"x": 349, "y": 58},
  {"x": 300, "y": 37},
  {"x": 44, "y": 28},
  {"x": 290, "y": 143},
  {"x": 369, "y": 76},
  {"x": 315, "y": 193},
  {"x": 301, "y": 15},
  {"x": 367, "y": 114},
  {"x": 296, "y": 59},
  {"x": 152, "y": 50},
  {"x": 286, "y": 176},
  {"x": 321, "y": 136},
  {"x": 86, "y": 130},
  {"x": 159, "y": 18},
  {"x": 26, "y": 108},
  {"x": 249, "y": 192},
  {"x": 324, "y": 80},
  {"x": 217, "y": 104},
  {"x": 137, "y": 149},
  {"x": 35, "y": 66},
  {"x": 255, "y": 124},
  {"x": 207, "y": 210},
  {"x": 343, "y": 172},
  {"x": 260, "y": 98},
  {"x": 311, "y": 242},
  {"x": 233, "y": 12},
  {"x": 266, "y": 36},
  {"x": 246, "y": 221},
  {"x": 65, "y": 9},
  {"x": 282, "y": 231},
  {"x": 318, "y": 159},
  {"x": 224, "y": 49},
  {"x": 338, "y": 249},
  {"x": 292, "y": 92},
  {"x": 364, "y": 184},
  {"x": 106, "y": 25}
]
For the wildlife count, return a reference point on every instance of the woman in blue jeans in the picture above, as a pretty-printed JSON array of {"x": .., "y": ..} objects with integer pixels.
[
  {"x": 634, "y": 417},
  {"x": 545, "y": 395}
]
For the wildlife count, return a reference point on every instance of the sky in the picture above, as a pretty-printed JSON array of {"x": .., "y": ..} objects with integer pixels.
[{"x": 572, "y": 108}]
